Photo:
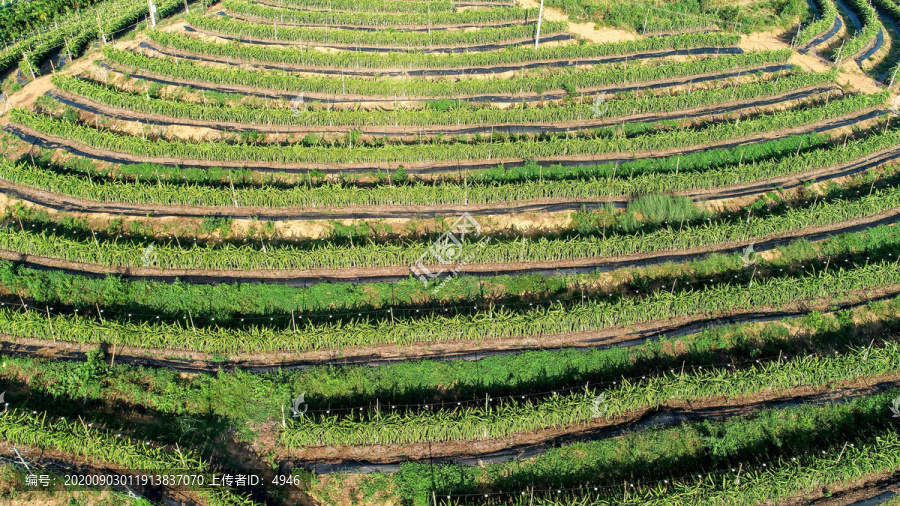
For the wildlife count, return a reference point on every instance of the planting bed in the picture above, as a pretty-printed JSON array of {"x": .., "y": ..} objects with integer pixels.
[{"x": 430, "y": 252}]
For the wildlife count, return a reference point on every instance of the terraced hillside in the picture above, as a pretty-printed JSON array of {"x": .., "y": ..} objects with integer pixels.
[{"x": 435, "y": 252}]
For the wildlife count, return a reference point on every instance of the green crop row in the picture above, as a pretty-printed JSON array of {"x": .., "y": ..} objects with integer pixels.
[
  {"x": 670, "y": 16},
  {"x": 822, "y": 24},
  {"x": 718, "y": 169},
  {"x": 165, "y": 390},
  {"x": 22, "y": 19},
  {"x": 551, "y": 113},
  {"x": 669, "y": 22},
  {"x": 380, "y": 19},
  {"x": 532, "y": 148},
  {"x": 406, "y": 88},
  {"x": 79, "y": 440},
  {"x": 226, "y": 304},
  {"x": 493, "y": 323},
  {"x": 210, "y": 187},
  {"x": 507, "y": 418},
  {"x": 487, "y": 35},
  {"x": 759, "y": 485},
  {"x": 332, "y": 255},
  {"x": 892, "y": 11},
  {"x": 74, "y": 33},
  {"x": 774, "y": 456},
  {"x": 870, "y": 26},
  {"x": 463, "y": 115},
  {"x": 344, "y": 388},
  {"x": 425, "y": 60},
  {"x": 406, "y": 6}
]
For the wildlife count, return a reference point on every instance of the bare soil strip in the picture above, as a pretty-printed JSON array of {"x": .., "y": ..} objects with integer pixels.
[
  {"x": 467, "y": 3},
  {"x": 372, "y": 28}
]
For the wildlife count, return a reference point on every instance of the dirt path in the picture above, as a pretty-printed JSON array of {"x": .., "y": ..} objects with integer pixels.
[
  {"x": 25, "y": 97},
  {"x": 848, "y": 76}
]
